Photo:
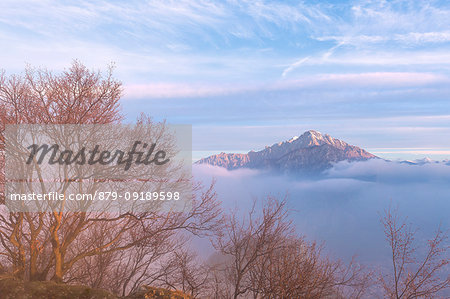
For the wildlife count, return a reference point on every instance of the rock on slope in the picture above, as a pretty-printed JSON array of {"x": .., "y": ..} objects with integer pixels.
[{"x": 311, "y": 152}]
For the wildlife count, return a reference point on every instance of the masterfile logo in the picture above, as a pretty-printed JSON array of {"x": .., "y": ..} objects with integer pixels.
[
  {"x": 102, "y": 168},
  {"x": 91, "y": 157}
]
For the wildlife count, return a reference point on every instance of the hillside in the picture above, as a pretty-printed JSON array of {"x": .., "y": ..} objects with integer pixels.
[{"x": 13, "y": 288}]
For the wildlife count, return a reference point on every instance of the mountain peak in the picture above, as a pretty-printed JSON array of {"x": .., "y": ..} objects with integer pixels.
[
  {"x": 308, "y": 138},
  {"x": 312, "y": 132},
  {"x": 312, "y": 138},
  {"x": 311, "y": 151},
  {"x": 315, "y": 138}
]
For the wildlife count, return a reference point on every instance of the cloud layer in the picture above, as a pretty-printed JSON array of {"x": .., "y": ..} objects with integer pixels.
[{"x": 342, "y": 208}]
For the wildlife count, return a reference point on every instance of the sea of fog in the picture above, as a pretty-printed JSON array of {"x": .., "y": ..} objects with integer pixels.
[{"x": 342, "y": 207}]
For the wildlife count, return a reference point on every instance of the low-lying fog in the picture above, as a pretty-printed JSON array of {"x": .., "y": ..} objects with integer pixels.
[{"x": 342, "y": 207}]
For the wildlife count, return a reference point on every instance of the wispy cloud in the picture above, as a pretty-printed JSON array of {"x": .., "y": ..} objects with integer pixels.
[
  {"x": 295, "y": 65},
  {"x": 351, "y": 81},
  {"x": 229, "y": 31},
  {"x": 410, "y": 38},
  {"x": 323, "y": 57},
  {"x": 174, "y": 90},
  {"x": 404, "y": 22},
  {"x": 390, "y": 60},
  {"x": 370, "y": 80}
]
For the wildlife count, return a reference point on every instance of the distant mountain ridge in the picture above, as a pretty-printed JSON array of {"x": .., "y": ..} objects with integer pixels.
[
  {"x": 425, "y": 161},
  {"x": 310, "y": 152}
]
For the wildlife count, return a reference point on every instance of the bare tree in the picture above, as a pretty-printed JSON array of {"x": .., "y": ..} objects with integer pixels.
[
  {"x": 298, "y": 269},
  {"x": 255, "y": 236},
  {"x": 189, "y": 274},
  {"x": 153, "y": 260},
  {"x": 78, "y": 246},
  {"x": 263, "y": 257},
  {"x": 76, "y": 96},
  {"x": 414, "y": 277}
]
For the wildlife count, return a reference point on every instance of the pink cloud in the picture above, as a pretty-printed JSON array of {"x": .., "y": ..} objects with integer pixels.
[{"x": 321, "y": 81}]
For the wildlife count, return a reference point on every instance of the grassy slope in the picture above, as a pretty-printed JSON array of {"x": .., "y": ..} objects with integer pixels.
[{"x": 13, "y": 288}]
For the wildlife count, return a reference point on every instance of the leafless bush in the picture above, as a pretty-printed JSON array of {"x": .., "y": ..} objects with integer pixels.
[
  {"x": 264, "y": 258},
  {"x": 414, "y": 277}
]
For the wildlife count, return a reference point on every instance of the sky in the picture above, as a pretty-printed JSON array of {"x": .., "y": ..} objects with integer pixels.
[{"x": 247, "y": 74}]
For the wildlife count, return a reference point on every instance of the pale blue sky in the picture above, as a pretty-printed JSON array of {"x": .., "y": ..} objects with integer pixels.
[{"x": 250, "y": 73}]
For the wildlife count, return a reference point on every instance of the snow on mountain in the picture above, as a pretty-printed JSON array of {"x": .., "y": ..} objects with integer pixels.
[{"x": 310, "y": 152}]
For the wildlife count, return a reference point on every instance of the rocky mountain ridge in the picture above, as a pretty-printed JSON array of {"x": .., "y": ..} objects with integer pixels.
[{"x": 310, "y": 152}]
